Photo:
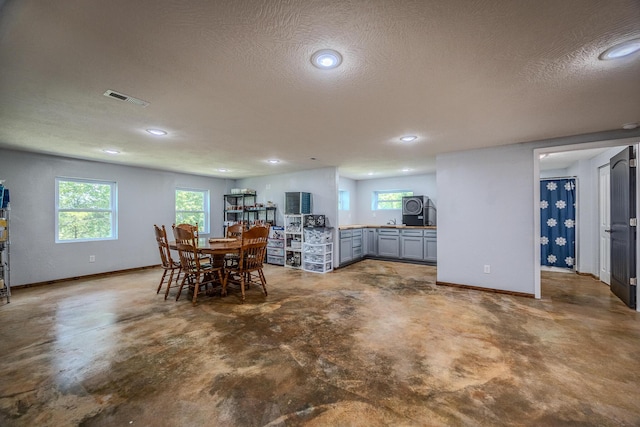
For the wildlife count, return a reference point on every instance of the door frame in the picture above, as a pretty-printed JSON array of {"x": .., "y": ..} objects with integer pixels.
[
  {"x": 604, "y": 203},
  {"x": 537, "y": 152}
]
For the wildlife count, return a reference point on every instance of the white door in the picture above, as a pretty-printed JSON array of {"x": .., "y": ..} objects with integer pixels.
[{"x": 604, "y": 221}]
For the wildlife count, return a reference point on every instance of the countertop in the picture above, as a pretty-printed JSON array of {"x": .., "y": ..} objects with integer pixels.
[{"x": 400, "y": 226}]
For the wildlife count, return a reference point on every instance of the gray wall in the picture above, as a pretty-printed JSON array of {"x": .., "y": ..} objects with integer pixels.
[
  {"x": 485, "y": 217},
  {"x": 145, "y": 197},
  {"x": 419, "y": 184},
  {"x": 348, "y": 217},
  {"x": 321, "y": 183},
  {"x": 486, "y": 211}
]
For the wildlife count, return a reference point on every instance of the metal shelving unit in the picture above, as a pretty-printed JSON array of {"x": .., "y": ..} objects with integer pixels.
[
  {"x": 5, "y": 243},
  {"x": 243, "y": 207}
]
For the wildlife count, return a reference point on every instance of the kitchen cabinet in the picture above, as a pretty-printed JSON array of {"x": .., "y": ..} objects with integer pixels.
[
  {"x": 350, "y": 245},
  {"x": 370, "y": 242},
  {"x": 411, "y": 245},
  {"x": 346, "y": 246},
  {"x": 400, "y": 244},
  {"x": 356, "y": 245},
  {"x": 430, "y": 246},
  {"x": 389, "y": 243}
]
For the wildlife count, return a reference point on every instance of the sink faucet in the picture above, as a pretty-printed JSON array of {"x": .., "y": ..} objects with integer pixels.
[{"x": 392, "y": 221}]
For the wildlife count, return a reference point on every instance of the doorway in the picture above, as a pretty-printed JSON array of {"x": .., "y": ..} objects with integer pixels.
[{"x": 592, "y": 253}]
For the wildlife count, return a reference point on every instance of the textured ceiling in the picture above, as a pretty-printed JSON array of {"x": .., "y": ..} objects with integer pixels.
[{"x": 232, "y": 83}]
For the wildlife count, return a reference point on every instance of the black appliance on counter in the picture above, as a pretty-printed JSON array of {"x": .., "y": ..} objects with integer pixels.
[{"x": 418, "y": 210}]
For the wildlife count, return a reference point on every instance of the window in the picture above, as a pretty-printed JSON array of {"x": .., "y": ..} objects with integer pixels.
[
  {"x": 192, "y": 206},
  {"x": 343, "y": 200},
  {"x": 85, "y": 210},
  {"x": 389, "y": 199}
]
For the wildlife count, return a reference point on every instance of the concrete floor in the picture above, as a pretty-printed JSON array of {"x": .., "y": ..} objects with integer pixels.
[{"x": 373, "y": 344}]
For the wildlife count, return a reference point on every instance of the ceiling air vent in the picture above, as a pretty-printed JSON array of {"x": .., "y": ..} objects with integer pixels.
[{"x": 122, "y": 97}]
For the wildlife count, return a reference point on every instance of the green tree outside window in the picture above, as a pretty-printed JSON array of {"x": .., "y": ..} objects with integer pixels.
[
  {"x": 192, "y": 207},
  {"x": 389, "y": 199},
  {"x": 85, "y": 210}
]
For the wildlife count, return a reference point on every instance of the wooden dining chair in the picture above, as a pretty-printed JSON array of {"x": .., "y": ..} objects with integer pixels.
[
  {"x": 194, "y": 229},
  {"x": 167, "y": 263},
  {"x": 196, "y": 271},
  {"x": 251, "y": 260},
  {"x": 236, "y": 230}
]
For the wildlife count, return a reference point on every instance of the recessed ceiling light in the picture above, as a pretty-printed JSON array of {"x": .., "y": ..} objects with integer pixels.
[
  {"x": 621, "y": 50},
  {"x": 273, "y": 161},
  {"x": 326, "y": 59},
  {"x": 109, "y": 151},
  {"x": 406, "y": 170},
  {"x": 223, "y": 170},
  {"x": 408, "y": 138},
  {"x": 157, "y": 132},
  {"x": 630, "y": 126},
  {"x": 370, "y": 173}
]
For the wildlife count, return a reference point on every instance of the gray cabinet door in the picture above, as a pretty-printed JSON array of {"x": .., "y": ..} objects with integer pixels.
[
  {"x": 371, "y": 242},
  {"x": 430, "y": 249},
  {"x": 389, "y": 246},
  {"x": 411, "y": 248},
  {"x": 346, "y": 250}
]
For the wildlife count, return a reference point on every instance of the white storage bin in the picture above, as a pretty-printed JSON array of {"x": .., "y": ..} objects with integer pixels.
[
  {"x": 317, "y": 258},
  {"x": 275, "y": 251},
  {"x": 318, "y": 268},
  {"x": 318, "y": 235},
  {"x": 276, "y": 260}
]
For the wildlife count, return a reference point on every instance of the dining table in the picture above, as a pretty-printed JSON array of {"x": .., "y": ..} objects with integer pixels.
[{"x": 216, "y": 246}]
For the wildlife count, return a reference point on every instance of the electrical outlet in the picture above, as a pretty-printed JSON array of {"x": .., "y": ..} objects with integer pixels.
[
  {"x": 487, "y": 268},
  {"x": 92, "y": 258}
]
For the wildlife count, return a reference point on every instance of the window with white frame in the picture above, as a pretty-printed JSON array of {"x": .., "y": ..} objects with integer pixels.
[
  {"x": 192, "y": 207},
  {"x": 390, "y": 199},
  {"x": 85, "y": 210},
  {"x": 343, "y": 200}
]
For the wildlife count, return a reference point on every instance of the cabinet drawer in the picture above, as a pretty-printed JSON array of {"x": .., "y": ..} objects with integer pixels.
[
  {"x": 357, "y": 242},
  {"x": 388, "y": 232},
  {"x": 430, "y": 233},
  {"x": 357, "y": 253},
  {"x": 411, "y": 233},
  {"x": 356, "y": 232},
  {"x": 344, "y": 234}
]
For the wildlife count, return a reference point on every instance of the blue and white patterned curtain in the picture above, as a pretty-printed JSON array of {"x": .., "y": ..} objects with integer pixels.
[{"x": 558, "y": 222}]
